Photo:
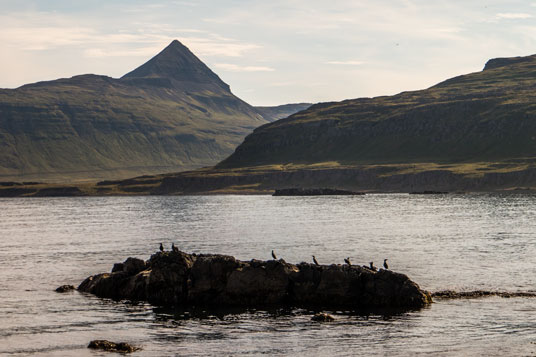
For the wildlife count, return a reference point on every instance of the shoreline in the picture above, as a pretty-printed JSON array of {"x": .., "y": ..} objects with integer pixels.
[{"x": 426, "y": 178}]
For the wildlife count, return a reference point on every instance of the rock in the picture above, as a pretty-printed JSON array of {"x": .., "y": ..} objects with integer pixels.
[
  {"x": 110, "y": 346},
  {"x": 322, "y": 317},
  {"x": 118, "y": 267},
  {"x": 313, "y": 192},
  {"x": 65, "y": 288},
  {"x": 133, "y": 266},
  {"x": 181, "y": 279},
  {"x": 16, "y": 191},
  {"x": 450, "y": 294},
  {"x": 67, "y": 191}
]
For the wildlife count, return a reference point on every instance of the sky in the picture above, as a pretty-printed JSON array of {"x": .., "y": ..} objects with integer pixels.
[{"x": 270, "y": 52}]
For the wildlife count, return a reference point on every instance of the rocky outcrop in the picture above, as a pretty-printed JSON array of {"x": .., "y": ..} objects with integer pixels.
[
  {"x": 65, "y": 288},
  {"x": 450, "y": 294},
  {"x": 322, "y": 317},
  {"x": 507, "y": 61},
  {"x": 109, "y": 346},
  {"x": 313, "y": 192},
  {"x": 181, "y": 279},
  {"x": 67, "y": 191}
]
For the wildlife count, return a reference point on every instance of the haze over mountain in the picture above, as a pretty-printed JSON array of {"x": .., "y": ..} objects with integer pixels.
[
  {"x": 170, "y": 114},
  {"x": 281, "y": 111}
]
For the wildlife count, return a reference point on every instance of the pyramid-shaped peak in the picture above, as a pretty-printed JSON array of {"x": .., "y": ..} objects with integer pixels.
[{"x": 176, "y": 62}]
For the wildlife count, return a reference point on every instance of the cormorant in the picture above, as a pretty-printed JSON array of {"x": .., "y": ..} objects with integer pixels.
[
  {"x": 314, "y": 260},
  {"x": 385, "y": 265},
  {"x": 347, "y": 261},
  {"x": 372, "y": 267},
  {"x": 173, "y": 248},
  {"x": 161, "y": 247},
  {"x": 273, "y": 255}
]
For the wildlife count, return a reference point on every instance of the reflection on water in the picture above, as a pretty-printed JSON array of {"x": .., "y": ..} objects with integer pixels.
[{"x": 461, "y": 242}]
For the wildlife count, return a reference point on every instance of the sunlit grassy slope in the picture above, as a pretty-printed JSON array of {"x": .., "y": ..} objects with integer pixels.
[{"x": 488, "y": 116}]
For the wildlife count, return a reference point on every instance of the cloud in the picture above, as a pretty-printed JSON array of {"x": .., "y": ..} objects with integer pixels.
[
  {"x": 236, "y": 68},
  {"x": 512, "y": 16},
  {"x": 214, "y": 45},
  {"x": 135, "y": 52},
  {"x": 282, "y": 84},
  {"x": 348, "y": 63},
  {"x": 28, "y": 32}
]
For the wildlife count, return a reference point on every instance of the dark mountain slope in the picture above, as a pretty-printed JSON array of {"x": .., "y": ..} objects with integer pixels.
[
  {"x": 172, "y": 113},
  {"x": 480, "y": 117},
  {"x": 178, "y": 67}
]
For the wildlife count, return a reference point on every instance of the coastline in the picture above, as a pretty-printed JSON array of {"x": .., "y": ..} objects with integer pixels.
[{"x": 264, "y": 180}]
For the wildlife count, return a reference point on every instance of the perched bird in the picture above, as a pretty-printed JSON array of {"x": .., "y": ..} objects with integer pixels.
[
  {"x": 273, "y": 255},
  {"x": 372, "y": 267},
  {"x": 161, "y": 247},
  {"x": 315, "y": 261},
  {"x": 173, "y": 248},
  {"x": 347, "y": 261},
  {"x": 385, "y": 265}
]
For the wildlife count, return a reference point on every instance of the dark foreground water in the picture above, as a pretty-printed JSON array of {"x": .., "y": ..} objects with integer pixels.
[{"x": 461, "y": 242}]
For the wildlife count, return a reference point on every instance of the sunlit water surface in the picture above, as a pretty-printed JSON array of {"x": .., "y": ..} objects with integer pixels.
[{"x": 461, "y": 242}]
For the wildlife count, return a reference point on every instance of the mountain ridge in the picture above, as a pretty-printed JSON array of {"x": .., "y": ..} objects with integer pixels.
[
  {"x": 475, "y": 132},
  {"x": 482, "y": 116},
  {"x": 115, "y": 128}
]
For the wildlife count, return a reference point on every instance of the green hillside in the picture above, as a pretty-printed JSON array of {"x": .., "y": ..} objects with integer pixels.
[
  {"x": 487, "y": 116},
  {"x": 171, "y": 114}
]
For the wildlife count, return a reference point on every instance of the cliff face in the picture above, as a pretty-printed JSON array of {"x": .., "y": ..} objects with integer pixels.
[
  {"x": 480, "y": 117},
  {"x": 176, "y": 278},
  {"x": 171, "y": 114}
]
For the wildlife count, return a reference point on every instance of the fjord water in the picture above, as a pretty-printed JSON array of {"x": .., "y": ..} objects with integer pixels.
[{"x": 460, "y": 242}]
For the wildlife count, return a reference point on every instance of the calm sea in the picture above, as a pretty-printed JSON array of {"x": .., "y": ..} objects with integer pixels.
[{"x": 460, "y": 242}]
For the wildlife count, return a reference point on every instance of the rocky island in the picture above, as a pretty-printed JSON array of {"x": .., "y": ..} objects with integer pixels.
[{"x": 181, "y": 279}]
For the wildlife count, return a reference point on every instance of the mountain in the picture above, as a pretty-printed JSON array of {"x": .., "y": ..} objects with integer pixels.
[
  {"x": 475, "y": 132},
  {"x": 281, "y": 111},
  {"x": 170, "y": 114},
  {"x": 488, "y": 116}
]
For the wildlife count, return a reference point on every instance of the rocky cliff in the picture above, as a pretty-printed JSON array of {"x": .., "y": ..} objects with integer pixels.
[{"x": 177, "y": 278}]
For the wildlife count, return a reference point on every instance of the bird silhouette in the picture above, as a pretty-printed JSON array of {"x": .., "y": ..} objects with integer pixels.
[
  {"x": 385, "y": 265},
  {"x": 372, "y": 267},
  {"x": 161, "y": 247},
  {"x": 173, "y": 248},
  {"x": 273, "y": 255},
  {"x": 347, "y": 261},
  {"x": 315, "y": 261}
]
